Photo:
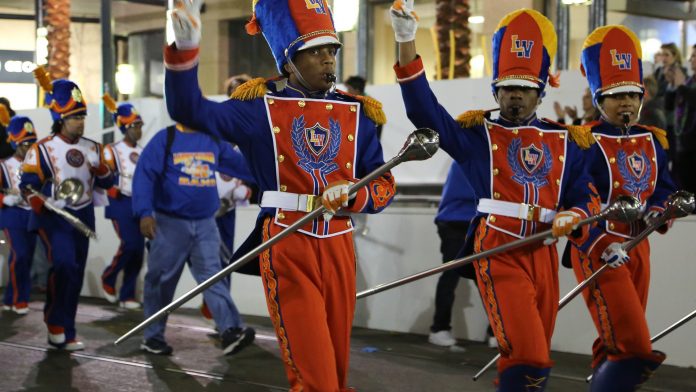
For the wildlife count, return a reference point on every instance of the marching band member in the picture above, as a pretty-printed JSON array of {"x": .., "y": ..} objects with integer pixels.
[
  {"x": 65, "y": 155},
  {"x": 15, "y": 213},
  {"x": 527, "y": 174},
  {"x": 122, "y": 157},
  {"x": 626, "y": 158},
  {"x": 175, "y": 197},
  {"x": 305, "y": 144}
]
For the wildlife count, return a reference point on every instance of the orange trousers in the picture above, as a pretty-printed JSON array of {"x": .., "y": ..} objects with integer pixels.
[
  {"x": 310, "y": 292},
  {"x": 617, "y": 301},
  {"x": 519, "y": 290}
]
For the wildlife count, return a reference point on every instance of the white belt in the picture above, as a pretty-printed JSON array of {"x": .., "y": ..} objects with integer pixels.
[
  {"x": 290, "y": 201},
  {"x": 524, "y": 211}
]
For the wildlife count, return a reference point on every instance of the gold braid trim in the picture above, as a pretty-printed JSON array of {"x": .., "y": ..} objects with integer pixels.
[
  {"x": 373, "y": 109},
  {"x": 255, "y": 88},
  {"x": 471, "y": 118},
  {"x": 660, "y": 134},
  {"x": 581, "y": 135}
]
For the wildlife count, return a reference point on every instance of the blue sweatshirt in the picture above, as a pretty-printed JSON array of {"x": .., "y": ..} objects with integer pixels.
[
  {"x": 186, "y": 188},
  {"x": 458, "y": 202}
]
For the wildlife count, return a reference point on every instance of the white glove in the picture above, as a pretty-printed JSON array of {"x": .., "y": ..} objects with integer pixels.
[
  {"x": 185, "y": 21},
  {"x": 651, "y": 216},
  {"x": 404, "y": 20},
  {"x": 241, "y": 193},
  {"x": 334, "y": 197},
  {"x": 564, "y": 223},
  {"x": 11, "y": 200},
  {"x": 58, "y": 203},
  {"x": 615, "y": 255}
]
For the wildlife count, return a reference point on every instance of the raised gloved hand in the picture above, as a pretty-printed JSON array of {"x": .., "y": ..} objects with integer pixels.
[
  {"x": 185, "y": 20},
  {"x": 615, "y": 255},
  {"x": 650, "y": 216},
  {"x": 564, "y": 223},
  {"x": 404, "y": 20},
  {"x": 334, "y": 197},
  {"x": 11, "y": 200}
]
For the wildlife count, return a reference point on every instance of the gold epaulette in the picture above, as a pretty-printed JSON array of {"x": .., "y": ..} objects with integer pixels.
[
  {"x": 471, "y": 118},
  {"x": 660, "y": 134},
  {"x": 581, "y": 135},
  {"x": 255, "y": 88},
  {"x": 373, "y": 109}
]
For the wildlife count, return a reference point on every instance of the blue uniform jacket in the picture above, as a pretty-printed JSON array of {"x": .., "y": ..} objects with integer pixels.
[{"x": 458, "y": 203}]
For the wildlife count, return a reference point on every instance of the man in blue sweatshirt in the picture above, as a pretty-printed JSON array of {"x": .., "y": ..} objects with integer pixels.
[{"x": 175, "y": 196}]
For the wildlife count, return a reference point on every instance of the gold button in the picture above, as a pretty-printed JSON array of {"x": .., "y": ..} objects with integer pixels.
[
  {"x": 515, "y": 131},
  {"x": 281, "y": 158},
  {"x": 348, "y": 223},
  {"x": 611, "y": 226},
  {"x": 496, "y": 171},
  {"x": 281, "y": 216},
  {"x": 598, "y": 137},
  {"x": 616, "y": 184},
  {"x": 348, "y": 165},
  {"x": 652, "y": 183},
  {"x": 283, "y": 188},
  {"x": 353, "y": 109},
  {"x": 271, "y": 101},
  {"x": 648, "y": 138},
  {"x": 329, "y": 106},
  {"x": 491, "y": 218},
  {"x": 276, "y": 129},
  {"x": 562, "y": 136},
  {"x": 634, "y": 141},
  {"x": 653, "y": 159},
  {"x": 351, "y": 137},
  {"x": 541, "y": 134},
  {"x": 301, "y": 104},
  {"x": 558, "y": 182},
  {"x": 495, "y": 147},
  {"x": 561, "y": 158},
  {"x": 612, "y": 160},
  {"x": 618, "y": 140},
  {"x": 496, "y": 195}
]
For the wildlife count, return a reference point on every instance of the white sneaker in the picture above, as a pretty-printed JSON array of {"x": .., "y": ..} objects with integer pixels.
[
  {"x": 111, "y": 297},
  {"x": 22, "y": 310},
  {"x": 130, "y": 305},
  {"x": 6, "y": 308},
  {"x": 56, "y": 339},
  {"x": 442, "y": 338},
  {"x": 74, "y": 345}
]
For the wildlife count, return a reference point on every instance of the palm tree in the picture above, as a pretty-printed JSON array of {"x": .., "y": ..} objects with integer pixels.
[
  {"x": 58, "y": 24},
  {"x": 452, "y": 26}
]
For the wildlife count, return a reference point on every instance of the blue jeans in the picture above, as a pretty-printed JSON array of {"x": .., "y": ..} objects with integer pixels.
[{"x": 177, "y": 240}]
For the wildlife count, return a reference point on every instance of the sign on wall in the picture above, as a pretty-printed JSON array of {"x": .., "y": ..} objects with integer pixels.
[{"x": 16, "y": 66}]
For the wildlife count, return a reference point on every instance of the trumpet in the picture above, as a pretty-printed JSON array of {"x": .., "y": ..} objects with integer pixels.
[{"x": 71, "y": 191}]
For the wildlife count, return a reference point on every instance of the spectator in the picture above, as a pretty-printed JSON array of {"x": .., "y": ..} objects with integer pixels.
[
  {"x": 653, "y": 112},
  {"x": 175, "y": 196},
  {"x": 590, "y": 113},
  {"x": 682, "y": 99},
  {"x": 6, "y": 150},
  {"x": 233, "y": 82},
  {"x": 457, "y": 208}
]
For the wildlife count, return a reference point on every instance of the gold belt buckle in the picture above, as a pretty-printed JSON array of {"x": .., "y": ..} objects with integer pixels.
[
  {"x": 312, "y": 202},
  {"x": 531, "y": 209}
]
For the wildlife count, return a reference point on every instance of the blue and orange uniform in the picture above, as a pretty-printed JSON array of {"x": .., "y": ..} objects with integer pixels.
[
  {"x": 15, "y": 213},
  {"x": 522, "y": 175},
  {"x": 122, "y": 157},
  {"x": 48, "y": 163},
  {"x": 297, "y": 144},
  {"x": 631, "y": 161}
]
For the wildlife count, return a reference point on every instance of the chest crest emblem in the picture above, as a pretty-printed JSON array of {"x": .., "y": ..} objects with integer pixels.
[
  {"x": 316, "y": 147},
  {"x": 530, "y": 164}
]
